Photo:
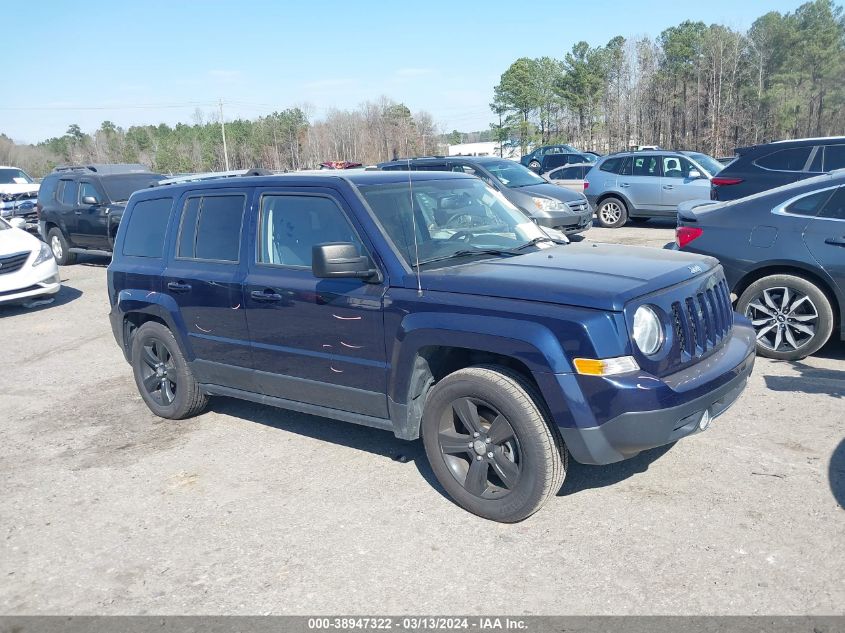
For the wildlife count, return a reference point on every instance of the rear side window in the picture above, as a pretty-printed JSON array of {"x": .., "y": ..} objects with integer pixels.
[
  {"x": 834, "y": 157},
  {"x": 569, "y": 173},
  {"x": 835, "y": 207},
  {"x": 146, "y": 228},
  {"x": 47, "y": 191},
  {"x": 613, "y": 165},
  {"x": 645, "y": 166},
  {"x": 211, "y": 228},
  {"x": 67, "y": 191},
  {"x": 809, "y": 205},
  {"x": 786, "y": 159}
]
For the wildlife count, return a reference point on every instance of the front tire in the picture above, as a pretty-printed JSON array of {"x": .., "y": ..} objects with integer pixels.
[
  {"x": 611, "y": 213},
  {"x": 491, "y": 444},
  {"x": 534, "y": 166},
  {"x": 792, "y": 317},
  {"x": 163, "y": 377},
  {"x": 61, "y": 249}
]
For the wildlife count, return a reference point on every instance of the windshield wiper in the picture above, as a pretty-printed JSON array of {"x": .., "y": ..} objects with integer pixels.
[
  {"x": 535, "y": 241},
  {"x": 468, "y": 253}
]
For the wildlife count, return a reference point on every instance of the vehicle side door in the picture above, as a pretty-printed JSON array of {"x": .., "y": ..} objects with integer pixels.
[
  {"x": 91, "y": 219},
  {"x": 204, "y": 277},
  {"x": 66, "y": 199},
  {"x": 641, "y": 182},
  {"x": 317, "y": 341},
  {"x": 677, "y": 186},
  {"x": 824, "y": 236}
]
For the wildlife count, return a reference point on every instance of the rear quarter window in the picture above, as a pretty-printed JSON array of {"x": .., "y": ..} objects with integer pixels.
[
  {"x": 612, "y": 165},
  {"x": 809, "y": 205},
  {"x": 785, "y": 159},
  {"x": 147, "y": 227},
  {"x": 47, "y": 191}
]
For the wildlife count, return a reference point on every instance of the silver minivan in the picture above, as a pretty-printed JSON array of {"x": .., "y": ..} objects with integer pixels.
[{"x": 648, "y": 184}]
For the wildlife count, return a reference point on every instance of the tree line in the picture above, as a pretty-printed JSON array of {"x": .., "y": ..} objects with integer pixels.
[{"x": 699, "y": 87}]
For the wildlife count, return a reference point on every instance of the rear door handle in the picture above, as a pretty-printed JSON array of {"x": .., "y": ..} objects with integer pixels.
[
  {"x": 266, "y": 296},
  {"x": 77, "y": 212},
  {"x": 178, "y": 286},
  {"x": 835, "y": 241},
  {"x": 668, "y": 186}
]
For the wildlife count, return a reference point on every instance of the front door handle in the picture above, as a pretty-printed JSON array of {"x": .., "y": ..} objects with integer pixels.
[
  {"x": 835, "y": 241},
  {"x": 624, "y": 184},
  {"x": 266, "y": 296},
  {"x": 178, "y": 286},
  {"x": 77, "y": 212},
  {"x": 668, "y": 186}
]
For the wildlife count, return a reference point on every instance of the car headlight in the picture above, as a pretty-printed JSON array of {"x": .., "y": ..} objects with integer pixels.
[
  {"x": 43, "y": 255},
  {"x": 548, "y": 204},
  {"x": 648, "y": 331}
]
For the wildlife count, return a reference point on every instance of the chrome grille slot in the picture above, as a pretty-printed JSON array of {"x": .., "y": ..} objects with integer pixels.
[{"x": 13, "y": 263}]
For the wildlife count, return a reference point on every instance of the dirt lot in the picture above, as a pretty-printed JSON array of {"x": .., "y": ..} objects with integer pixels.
[{"x": 247, "y": 509}]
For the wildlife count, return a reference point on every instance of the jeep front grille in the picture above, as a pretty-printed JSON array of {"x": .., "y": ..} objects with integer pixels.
[{"x": 702, "y": 321}]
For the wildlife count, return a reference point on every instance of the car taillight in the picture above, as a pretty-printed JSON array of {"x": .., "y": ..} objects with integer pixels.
[
  {"x": 586, "y": 184},
  {"x": 721, "y": 182},
  {"x": 686, "y": 234}
]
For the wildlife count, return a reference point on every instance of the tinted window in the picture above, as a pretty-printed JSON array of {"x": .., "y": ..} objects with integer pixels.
[
  {"x": 834, "y": 157},
  {"x": 612, "y": 165},
  {"x": 188, "y": 228},
  {"x": 218, "y": 235},
  {"x": 119, "y": 188},
  {"x": 88, "y": 189},
  {"x": 786, "y": 159},
  {"x": 146, "y": 229},
  {"x": 569, "y": 173},
  {"x": 292, "y": 225},
  {"x": 809, "y": 205},
  {"x": 835, "y": 207},
  {"x": 47, "y": 191},
  {"x": 68, "y": 192},
  {"x": 645, "y": 166}
]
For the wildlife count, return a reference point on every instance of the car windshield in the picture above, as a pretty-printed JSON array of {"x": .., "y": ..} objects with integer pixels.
[
  {"x": 512, "y": 174},
  {"x": 710, "y": 164},
  {"x": 120, "y": 187},
  {"x": 454, "y": 216},
  {"x": 4, "y": 225},
  {"x": 14, "y": 177}
]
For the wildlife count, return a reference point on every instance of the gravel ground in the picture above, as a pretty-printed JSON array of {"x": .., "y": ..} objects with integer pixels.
[{"x": 106, "y": 509}]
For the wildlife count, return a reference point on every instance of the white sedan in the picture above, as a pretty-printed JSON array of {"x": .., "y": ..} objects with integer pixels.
[{"x": 28, "y": 270}]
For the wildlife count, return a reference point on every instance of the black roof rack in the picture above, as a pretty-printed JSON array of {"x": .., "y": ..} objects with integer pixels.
[
  {"x": 213, "y": 175},
  {"x": 105, "y": 168}
]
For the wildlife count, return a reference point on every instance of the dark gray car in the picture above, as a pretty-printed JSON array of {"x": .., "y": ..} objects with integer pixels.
[
  {"x": 547, "y": 204},
  {"x": 783, "y": 252}
]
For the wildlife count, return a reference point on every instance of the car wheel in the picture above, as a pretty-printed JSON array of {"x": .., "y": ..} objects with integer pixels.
[
  {"x": 792, "y": 317},
  {"x": 491, "y": 444},
  {"x": 162, "y": 375},
  {"x": 611, "y": 213},
  {"x": 534, "y": 166},
  {"x": 59, "y": 246}
]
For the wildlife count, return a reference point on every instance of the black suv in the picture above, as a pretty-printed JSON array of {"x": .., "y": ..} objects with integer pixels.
[
  {"x": 80, "y": 206},
  {"x": 762, "y": 167}
]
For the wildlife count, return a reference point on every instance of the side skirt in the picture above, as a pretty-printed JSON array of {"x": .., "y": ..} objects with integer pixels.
[{"x": 301, "y": 407}]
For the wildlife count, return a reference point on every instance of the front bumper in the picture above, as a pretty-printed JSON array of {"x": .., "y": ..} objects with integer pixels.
[
  {"x": 710, "y": 388},
  {"x": 566, "y": 222},
  {"x": 21, "y": 286}
]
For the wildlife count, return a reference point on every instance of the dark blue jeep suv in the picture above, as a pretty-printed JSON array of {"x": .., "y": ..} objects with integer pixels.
[{"x": 425, "y": 304}]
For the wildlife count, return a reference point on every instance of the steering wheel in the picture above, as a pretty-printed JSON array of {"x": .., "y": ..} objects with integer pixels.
[
  {"x": 460, "y": 235},
  {"x": 457, "y": 220}
]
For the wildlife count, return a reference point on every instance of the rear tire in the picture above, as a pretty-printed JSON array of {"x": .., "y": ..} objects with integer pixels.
[
  {"x": 61, "y": 249},
  {"x": 163, "y": 377},
  {"x": 611, "y": 213},
  {"x": 793, "y": 318},
  {"x": 491, "y": 443},
  {"x": 534, "y": 166}
]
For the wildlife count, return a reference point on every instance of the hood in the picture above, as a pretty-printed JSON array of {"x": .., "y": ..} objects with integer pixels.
[
  {"x": 548, "y": 190},
  {"x": 599, "y": 276},
  {"x": 13, "y": 188},
  {"x": 17, "y": 241}
]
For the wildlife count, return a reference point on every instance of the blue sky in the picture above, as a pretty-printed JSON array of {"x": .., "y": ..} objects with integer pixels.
[{"x": 157, "y": 61}]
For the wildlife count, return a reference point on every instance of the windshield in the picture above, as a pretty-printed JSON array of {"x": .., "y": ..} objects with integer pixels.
[
  {"x": 512, "y": 174},
  {"x": 710, "y": 164},
  {"x": 4, "y": 225},
  {"x": 11, "y": 176},
  {"x": 119, "y": 188},
  {"x": 451, "y": 216}
]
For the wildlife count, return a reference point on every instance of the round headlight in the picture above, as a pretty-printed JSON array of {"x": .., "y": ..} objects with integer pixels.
[{"x": 648, "y": 332}]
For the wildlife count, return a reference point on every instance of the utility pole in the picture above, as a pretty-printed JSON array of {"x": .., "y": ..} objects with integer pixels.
[{"x": 223, "y": 129}]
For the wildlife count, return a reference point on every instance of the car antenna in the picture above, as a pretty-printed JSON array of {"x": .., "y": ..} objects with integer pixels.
[{"x": 414, "y": 227}]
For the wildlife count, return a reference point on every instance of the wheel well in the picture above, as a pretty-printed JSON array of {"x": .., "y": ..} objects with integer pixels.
[
  {"x": 434, "y": 363},
  {"x": 131, "y": 323},
  {"x": 611, "y": 194},
  {"x": 758, "y": 274}
]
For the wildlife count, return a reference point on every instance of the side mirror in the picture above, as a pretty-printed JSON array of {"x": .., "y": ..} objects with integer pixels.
[
  {"x": 90, "y": 200},
  {"x": 18, "y": 223},
  {"x": 694, "y": 174},
  {"x": 340, "y": 259}
]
